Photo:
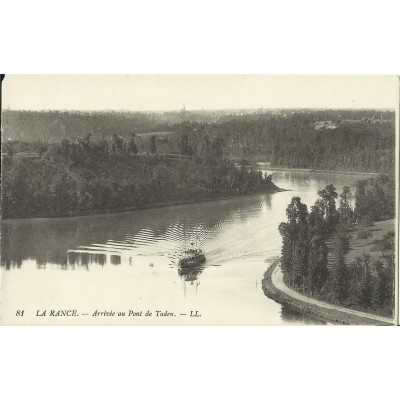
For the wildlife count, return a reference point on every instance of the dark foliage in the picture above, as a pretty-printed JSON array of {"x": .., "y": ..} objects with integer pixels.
[
  {"x": 375, "y": 199},
  {"x": 84, "y": 176},
  {"x": 358, "y": 140},
  {"x": 363, "y": 284}
]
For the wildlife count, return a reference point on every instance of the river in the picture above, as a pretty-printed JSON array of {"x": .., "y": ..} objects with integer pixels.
[{"x": 128, "y": 262}]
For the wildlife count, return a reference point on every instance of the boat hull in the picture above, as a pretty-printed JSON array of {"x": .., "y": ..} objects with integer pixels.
[{"x": 190, "y": 263}]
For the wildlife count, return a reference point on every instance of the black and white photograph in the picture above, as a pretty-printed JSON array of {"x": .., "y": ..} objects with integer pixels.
[{"x": 199, "y": 200}]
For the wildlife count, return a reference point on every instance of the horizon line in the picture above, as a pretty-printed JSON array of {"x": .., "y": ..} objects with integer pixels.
[{"x": 200, "y": 109}]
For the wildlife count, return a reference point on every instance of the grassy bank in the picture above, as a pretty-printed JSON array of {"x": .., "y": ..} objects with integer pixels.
[{"x": 370, "y": 245}]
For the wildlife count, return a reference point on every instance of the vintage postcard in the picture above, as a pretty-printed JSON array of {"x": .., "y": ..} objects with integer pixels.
[{"x": 199, "y": 200}]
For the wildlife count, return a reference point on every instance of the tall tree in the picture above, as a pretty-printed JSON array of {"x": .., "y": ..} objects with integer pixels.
[
  {"x": 366, "y": 285},
  {"x": 318, "y": 263},
  {"x": 383, "y": 295},
  {"x": 316, "y": 219},
  {"x": 318, "y": 253},
  {"x": 295, "y": 250},
  {"x": 341, "y": 276},
  {"x": 345, "y": 206},
  {"x": 341, "y": 273},
  {"x": 328, "y": 196}
]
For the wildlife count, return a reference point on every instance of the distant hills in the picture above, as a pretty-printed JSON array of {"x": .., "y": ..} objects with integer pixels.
[
  {"x": 53, "y": 126},
  {"x": 362, "y": 140}
]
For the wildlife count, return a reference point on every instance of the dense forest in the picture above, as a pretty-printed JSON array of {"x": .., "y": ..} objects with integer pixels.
[
  {"x": 86, "y": 176},
  {"x": 316, "y": 244},
  {"x": 54, "y": 126},
  {"x": 293, "y": 141},
  {"x": 355, "y": 140}
]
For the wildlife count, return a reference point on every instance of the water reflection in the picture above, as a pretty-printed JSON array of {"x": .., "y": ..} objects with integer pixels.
[
  {"x": 15, "y": 263},
  {"x": 80, "y": 259},
  {"x": 106, "y": 240},
  {"x": 190, "y": 274},
  {"x": 289, "y": 314},
  {"x": 127, "y": 258}
]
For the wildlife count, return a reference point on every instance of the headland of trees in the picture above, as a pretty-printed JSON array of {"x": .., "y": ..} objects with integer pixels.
[{"x": 88, "y": 176}]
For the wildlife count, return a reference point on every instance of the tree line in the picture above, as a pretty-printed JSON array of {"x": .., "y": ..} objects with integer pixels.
[
  {"x": 293, "y": 142},
  {"x": 363, "y": 140},
  {"x": 315, "y": 244},
  {"x": 54, "y": 126},
  {"x": 85, "y": 175}
]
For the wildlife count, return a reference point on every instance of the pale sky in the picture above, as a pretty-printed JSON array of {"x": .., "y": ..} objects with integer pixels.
[{"x": 171, "y": 92}]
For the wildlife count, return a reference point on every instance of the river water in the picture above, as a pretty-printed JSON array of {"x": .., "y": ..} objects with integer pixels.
[{"x": 129, "y": 262}]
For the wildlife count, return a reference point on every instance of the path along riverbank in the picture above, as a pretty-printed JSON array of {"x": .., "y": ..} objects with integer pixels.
[{"x": 275, "y": 288}]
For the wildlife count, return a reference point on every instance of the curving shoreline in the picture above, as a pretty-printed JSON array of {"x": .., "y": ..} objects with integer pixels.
[
  {"x": 328, "y": 171},
  {"x": 322, "y": 311},
  {"x": 172, "y": 203}
]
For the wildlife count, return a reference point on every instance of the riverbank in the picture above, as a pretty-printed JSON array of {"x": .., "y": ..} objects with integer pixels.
[
  {"x": 328, "y": 171},
  {"x": 274, "y": 288},
  {"x": 93, "y": 213}
]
